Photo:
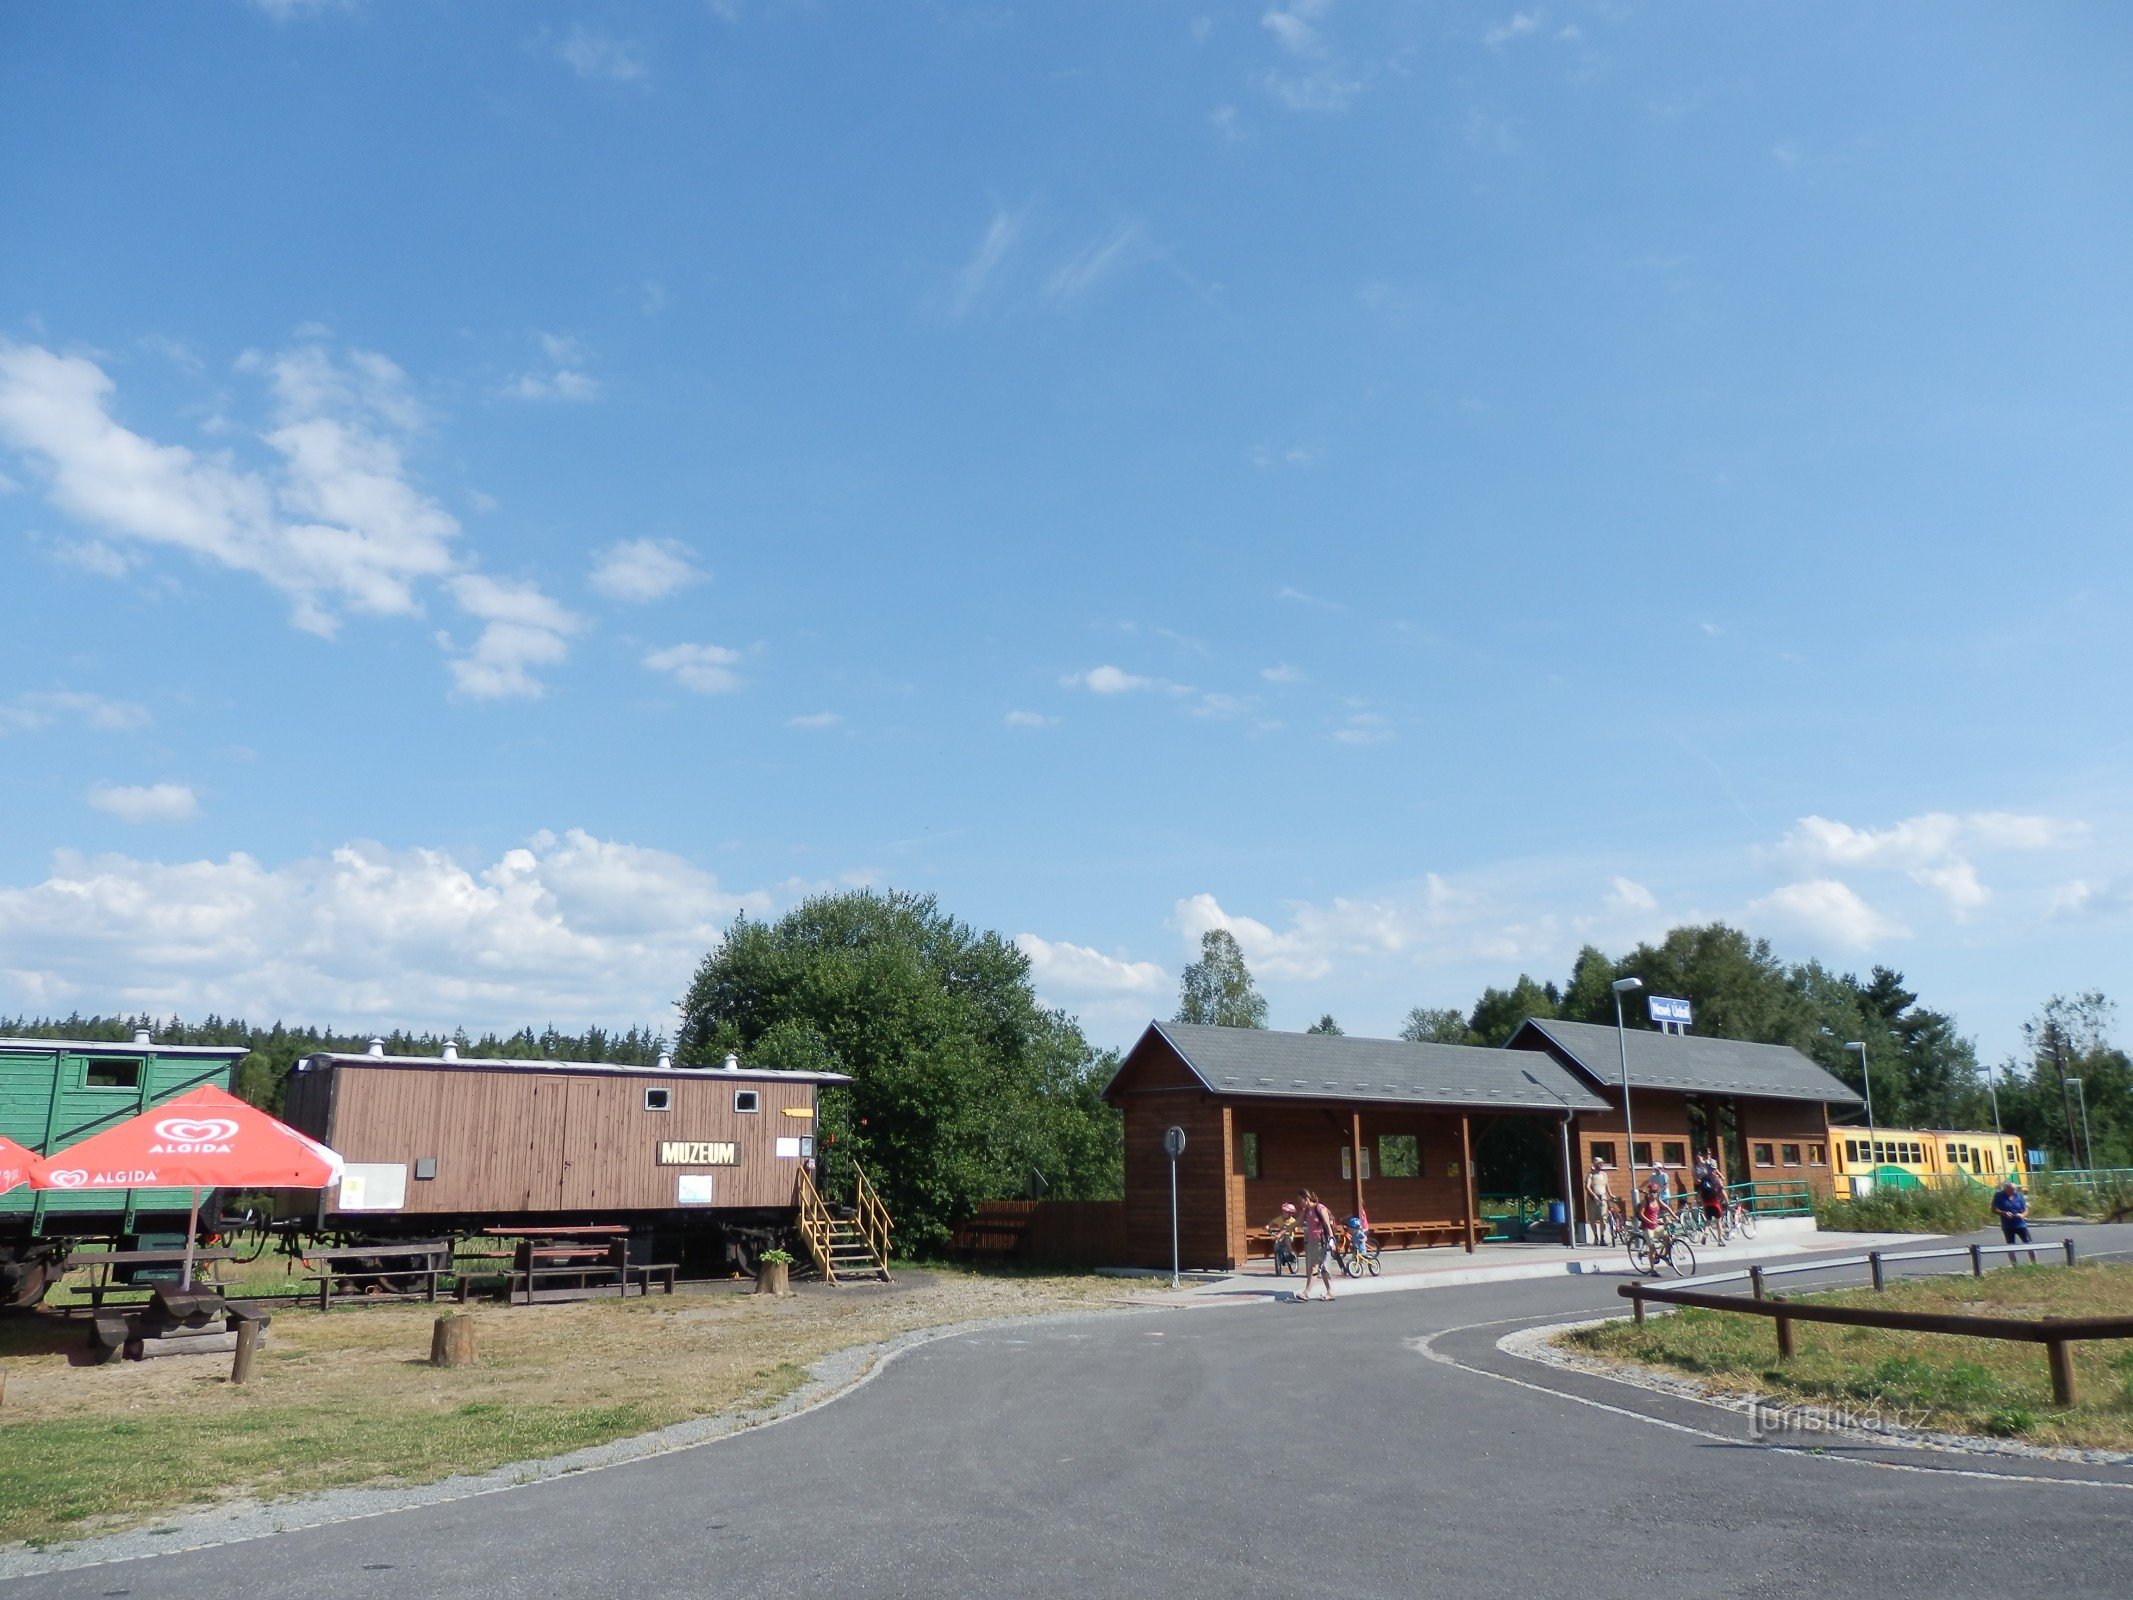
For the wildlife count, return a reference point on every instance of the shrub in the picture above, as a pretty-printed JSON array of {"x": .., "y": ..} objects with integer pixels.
[{"x": 1954, "y": 1210}]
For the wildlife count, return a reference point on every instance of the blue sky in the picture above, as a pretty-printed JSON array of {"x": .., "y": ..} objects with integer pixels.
[{"x": 491, "y": 492}]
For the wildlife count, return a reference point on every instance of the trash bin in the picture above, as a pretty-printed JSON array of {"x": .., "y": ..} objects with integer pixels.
[{"x": 1558, "y": 1213}]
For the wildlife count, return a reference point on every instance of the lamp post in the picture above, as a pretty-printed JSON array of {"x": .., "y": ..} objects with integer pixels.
[
  {"x": 1992, "y": 1087},
  {"x": 1621, "y": 987},
  {"x": 1867, "y": 1082},
  {"x": 2088, "y": 1151}
]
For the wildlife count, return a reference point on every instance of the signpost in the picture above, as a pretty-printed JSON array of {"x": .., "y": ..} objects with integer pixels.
[
  {"x": 1664, "y": 1011},
  {"x": 1173, "y": 1147}
]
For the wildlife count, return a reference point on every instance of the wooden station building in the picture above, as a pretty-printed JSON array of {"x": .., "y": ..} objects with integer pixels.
[
  {"x": 1377, "y": 1125},
  {"x": 1764, "y": 1108}
]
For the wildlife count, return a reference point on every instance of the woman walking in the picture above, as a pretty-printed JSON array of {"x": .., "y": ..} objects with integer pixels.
[{"x": 1318, "y": 1242}]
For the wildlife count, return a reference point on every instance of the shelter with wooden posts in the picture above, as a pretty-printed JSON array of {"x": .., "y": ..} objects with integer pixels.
[
  {"x": 1381, "y": 1126},
  {"x": 1763, "y": 1108}
]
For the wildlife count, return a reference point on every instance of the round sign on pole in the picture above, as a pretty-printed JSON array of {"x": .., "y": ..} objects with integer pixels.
[{"x": 1174, "y": 1142}]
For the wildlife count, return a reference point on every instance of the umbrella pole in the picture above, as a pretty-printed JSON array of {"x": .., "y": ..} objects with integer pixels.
[{"x": 192, "y": 1232}]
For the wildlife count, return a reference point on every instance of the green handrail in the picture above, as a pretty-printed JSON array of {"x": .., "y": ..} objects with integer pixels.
[{"x": 1775, "y": 1197}]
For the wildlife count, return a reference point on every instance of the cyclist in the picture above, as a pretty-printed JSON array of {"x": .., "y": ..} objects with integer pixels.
[
  {"x": 1283, "y": 1229},
  {"x": 1599, "y": 1189},
  {"x": 1711, "y": 1189}
]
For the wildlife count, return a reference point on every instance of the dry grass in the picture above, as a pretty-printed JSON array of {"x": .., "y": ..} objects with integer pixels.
[
  {"x": 1942, "y": 1382},
  {"x": 348, "y": 1397}
]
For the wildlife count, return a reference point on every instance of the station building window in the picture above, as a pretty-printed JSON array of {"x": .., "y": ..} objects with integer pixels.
[
  {"x": 1762, "y": 1155},
  {"x": 1248, "y": 1154},
  {"x": 1604, "y": 1150},
  {"x": 1400, "y": 1155},
  {"x": 1641, "y": 1152},
  {"x": 1791, "y": 1153},
  {"x": 1675, "y": 1152},
  {"x": 1817, "y": 1155}
]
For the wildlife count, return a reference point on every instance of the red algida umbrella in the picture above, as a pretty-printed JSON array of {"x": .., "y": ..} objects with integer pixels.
[
  {"x": 14, "y": 1164},
  {"x": 207, "y": 1139}
]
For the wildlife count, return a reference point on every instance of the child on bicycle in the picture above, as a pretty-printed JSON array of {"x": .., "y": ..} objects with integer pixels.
[{"x": 1283, "y": 1230}]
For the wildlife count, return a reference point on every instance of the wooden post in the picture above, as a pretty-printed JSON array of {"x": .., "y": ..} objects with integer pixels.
[
  {"x": 2069, "y": 1243},
  {"x": 3, "y": 1385},
  {"x": 1755, "y": 1281},
  {"x": 1873, "y": 1259},
  {"x": 247, "y": 1342},
  {"x": 1636, "y": 1301},
  {"x": 452, "y": 1341},
  {"x": 2062, "y": 1359},
  {"x": 1784, "y": 1328},
  {"x": 1977, "y": 1261},
  {"x": 1355, "y": 1156},
  {"x": 1466, "y": 1179}
]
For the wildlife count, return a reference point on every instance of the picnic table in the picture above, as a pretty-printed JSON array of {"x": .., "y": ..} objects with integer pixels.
[
  {"x": 357, "y": 1270},
  {"x": 102, "y": 1262},
  {"x": 575, "y": 1264}
]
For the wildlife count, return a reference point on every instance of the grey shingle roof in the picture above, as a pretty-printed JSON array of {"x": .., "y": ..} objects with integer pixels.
[
  {"x": 1316, "y": 1066},
  {"x": 1690, "y": 1062}
]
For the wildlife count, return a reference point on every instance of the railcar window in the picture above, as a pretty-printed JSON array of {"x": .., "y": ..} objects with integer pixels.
[
  {"x": 1851, "y": 1150},
  {"x": 658, "y": 1099},
  {"x": 747, "y": 1100},
  {"x": 1400, "y": 1155},
  {"x": 1248, "y": 1151},
  {"x": 1817, "y": 1156},
  {"x": 1951, "y": 1155},
  {"x": 111, "y": 1072}
]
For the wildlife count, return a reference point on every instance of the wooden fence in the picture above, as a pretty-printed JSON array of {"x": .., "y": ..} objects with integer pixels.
[
  {"x": 2054, "y": 1333},
  {"x": 1053, "y": 1233}
]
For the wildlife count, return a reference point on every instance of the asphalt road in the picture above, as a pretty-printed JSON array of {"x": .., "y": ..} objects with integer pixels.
[{"x": 1379, "y": 1446}]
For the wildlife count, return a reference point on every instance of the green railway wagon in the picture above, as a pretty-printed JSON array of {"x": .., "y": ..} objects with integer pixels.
[{"x": 56, "y": 1092}]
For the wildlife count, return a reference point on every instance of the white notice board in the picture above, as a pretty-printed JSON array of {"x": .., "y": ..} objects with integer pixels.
[
  {"x": 788, "y": 1149},
  {"x": 693, "y": 1188},
  {"x": 373, "y": 1186}
]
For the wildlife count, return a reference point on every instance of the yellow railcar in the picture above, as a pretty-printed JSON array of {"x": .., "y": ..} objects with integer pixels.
[{"x": 1911, "y": 1158}]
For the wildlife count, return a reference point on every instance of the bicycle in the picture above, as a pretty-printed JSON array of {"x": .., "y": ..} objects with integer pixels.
[
  {"x": 1356, "y": 1259},
  {"x": 1652, "y": 1251},
  {"x": 1740, "y": 1219}
]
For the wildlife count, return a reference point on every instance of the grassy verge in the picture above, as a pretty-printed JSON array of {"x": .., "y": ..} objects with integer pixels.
[
  {"x": 1953, "y": 1210},
  {"x": 1940, "y": 1382},
  {"x": 348, "y": 1397}
]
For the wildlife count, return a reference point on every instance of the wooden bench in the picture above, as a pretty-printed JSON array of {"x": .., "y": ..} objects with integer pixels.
[
  {"x": 101, "y": 1264},
  {"x": 595, "y": 1268},
  {"x": 337, "y": 1270},
  {"x": 1259, "y": 1242}
]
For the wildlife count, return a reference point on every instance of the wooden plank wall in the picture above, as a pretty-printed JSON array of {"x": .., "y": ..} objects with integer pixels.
[
  {"x": 545, "y": 1140},
  {"x": 1164, "y": 1093}
]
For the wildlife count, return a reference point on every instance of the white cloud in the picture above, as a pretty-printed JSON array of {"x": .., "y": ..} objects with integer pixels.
[
  {"x": 1517, "y": 26},
  {"x": 978, "y": 272},
  {"x": 1076, "y": 971},
  {"x": 596, "y": 55},
  {"x": 1401, "y": 923},
  {"x": 1625, "y": 894},
  {"x": 1933, "y": 849},
  {"x": 1108, "y": 680},
  {"x": 93, "y": 555},
  {"x": 1296, "y": 26},
  {"x": 645, "y": 569},
  {"x": 815, "y": 720},
  {"x": 702, "y": 668},
  {"x": 336, "y": 525},
  {"x": 522, "y": 628},
  {"x": 37, "y": 709},
  {"x": 1317, "y": 80},
  {"x": 155, "y": 802},
  {"x": 1830, "y": 910},
  {"x": 1295, "y": 455},
  {"x": 571, "y": 928},
  {"x": 561, "y": 375},
  {"x": 1094, "y": 264},
  {"x": 1030, "y": 719},
  {"x": 1364, "y": 727},
  {"x": 2079, "y": 897},
  {"x": 1281, "y": 672},
  {"x": 1301, "y": 597}
]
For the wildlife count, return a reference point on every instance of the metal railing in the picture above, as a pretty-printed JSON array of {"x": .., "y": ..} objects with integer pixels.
[
  {"x": 1775, "y": 1197},
  {"x": 2054, "y": 1333}
]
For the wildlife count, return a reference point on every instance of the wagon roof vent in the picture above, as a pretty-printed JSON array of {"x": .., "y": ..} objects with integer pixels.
[
  {"x": 665, "y": 1063},
  {"x": 377, "y": 1047},
  {"x": 733, "y": 1062},
  {"x": 451, "y": 1050},
  {"x": 142, "y": 1037}
]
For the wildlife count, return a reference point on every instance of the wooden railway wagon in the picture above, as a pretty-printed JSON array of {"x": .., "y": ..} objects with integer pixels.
[
  {"x": 702, "y": 1164},
  {"x": 55, "y": 1092}
]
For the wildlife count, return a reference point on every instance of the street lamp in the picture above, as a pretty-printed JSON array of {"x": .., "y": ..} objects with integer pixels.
[
  {"x": 1860, "y": 1046},
  {"x": 1992, "y": 1087},
  {"x": 1621, "y": 987},
  {"x": 2088, "y": 1151}
]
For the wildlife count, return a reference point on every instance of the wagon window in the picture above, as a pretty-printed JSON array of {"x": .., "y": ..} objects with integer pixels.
[
  {"x": 1248, "y": 1153},
  {"x": 747, "y": 1100},
  {"x": 1400, "y": 1155},
  {"x": 112, "y": 1072},
  {"x": 658, "y": 1099}
]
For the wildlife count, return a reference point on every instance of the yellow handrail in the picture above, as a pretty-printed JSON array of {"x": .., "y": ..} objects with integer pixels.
[
  {"x": 873, "y": 1218},
  {"x": 815, "y": 1225}
]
